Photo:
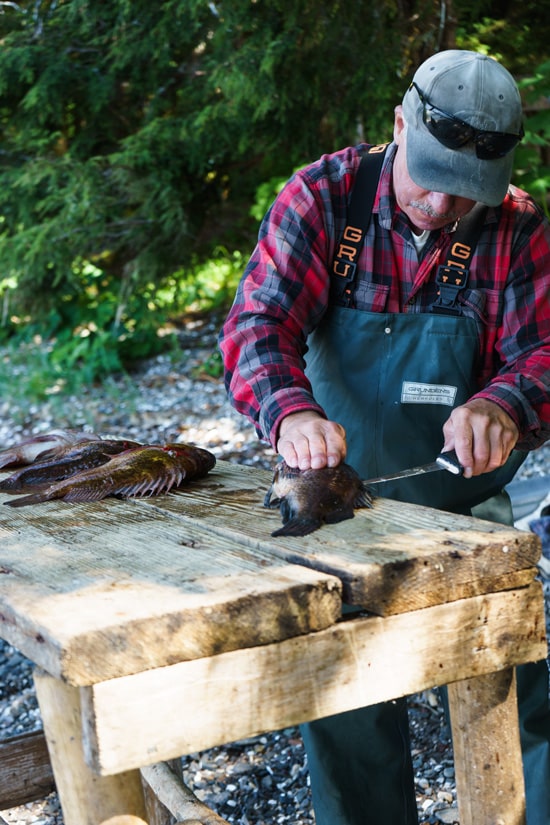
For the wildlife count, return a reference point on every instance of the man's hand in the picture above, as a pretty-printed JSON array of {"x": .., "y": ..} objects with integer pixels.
[
  {"x": 309, "y": 441},
  {"x": 482, "y": 435}
]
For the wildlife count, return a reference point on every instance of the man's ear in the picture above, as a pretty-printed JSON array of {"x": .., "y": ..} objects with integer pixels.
[{"x": 399, "y": 125}]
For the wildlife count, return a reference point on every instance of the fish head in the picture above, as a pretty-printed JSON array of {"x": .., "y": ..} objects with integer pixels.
[
  {"x": 202, "y": 457},
  {"x": 285, "y": 480}
]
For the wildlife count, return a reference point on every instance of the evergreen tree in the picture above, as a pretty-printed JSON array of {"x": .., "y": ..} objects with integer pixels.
[{"x": 135, "y": 134}]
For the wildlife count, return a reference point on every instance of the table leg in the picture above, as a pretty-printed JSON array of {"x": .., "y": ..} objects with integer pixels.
[
  {"x": 86, "y": 798},
  {"x": 487, "y": 751}
]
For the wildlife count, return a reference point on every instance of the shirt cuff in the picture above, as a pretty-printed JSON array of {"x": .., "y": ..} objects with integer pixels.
[
  {"x": 282, "y": 403},
  {"x": 512, "y": 401}
]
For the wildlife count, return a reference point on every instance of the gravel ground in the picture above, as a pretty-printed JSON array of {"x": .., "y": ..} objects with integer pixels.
[{"x": 259, "y": 781}]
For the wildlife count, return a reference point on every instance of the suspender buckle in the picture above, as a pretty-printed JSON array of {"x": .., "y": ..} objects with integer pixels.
[
  {"x": 450, "y": 282},
  {"x": 341, "y": 283}
]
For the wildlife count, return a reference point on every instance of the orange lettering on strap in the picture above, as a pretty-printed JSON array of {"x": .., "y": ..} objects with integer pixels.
[
  {"x": 345, "y": 268},
  {"x": 461, "y": 250},
  {"x": 351, "y": 233},
  {"x": 346, "y": 252}
]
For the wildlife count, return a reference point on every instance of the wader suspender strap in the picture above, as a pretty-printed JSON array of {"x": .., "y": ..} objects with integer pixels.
[
  {"x": 344, "y": 267},
  {"x": 451, "y": 277}
]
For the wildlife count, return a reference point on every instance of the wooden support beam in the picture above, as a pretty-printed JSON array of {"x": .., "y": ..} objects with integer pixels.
[
  {"x": 488, "y": 766},
  {"x": 25, "y": 770},
  {"x": 177, "y": 798},
  {"x": 356, "y": 663},
  {"x": 86, "y": 798}
]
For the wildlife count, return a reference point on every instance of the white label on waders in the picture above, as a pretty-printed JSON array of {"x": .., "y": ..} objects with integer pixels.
[{"x": 415, "y": 393}]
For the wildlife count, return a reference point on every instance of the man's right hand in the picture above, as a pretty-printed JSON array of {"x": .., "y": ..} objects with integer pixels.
[{"x": 308, "y": 441}]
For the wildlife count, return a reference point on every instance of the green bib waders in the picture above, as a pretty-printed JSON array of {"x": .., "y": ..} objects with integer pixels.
[{"x": 392, "y": 380}]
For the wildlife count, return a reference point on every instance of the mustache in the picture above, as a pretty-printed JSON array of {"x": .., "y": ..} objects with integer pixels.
[{"x": 432, "y": 213}]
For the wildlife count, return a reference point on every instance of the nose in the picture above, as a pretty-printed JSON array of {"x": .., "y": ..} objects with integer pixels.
[{"x": 442, "y": 203}]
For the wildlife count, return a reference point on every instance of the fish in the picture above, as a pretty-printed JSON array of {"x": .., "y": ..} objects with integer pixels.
[
  {"x": 309, "y": 498},
  {"x": 147, "y": 470},
  {"x": 42, "y": 446},
  {"x": 68, "y": 461}
]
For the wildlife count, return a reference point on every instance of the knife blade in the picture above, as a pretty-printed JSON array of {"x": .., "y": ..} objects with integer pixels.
[{"x": 444, "y": 461}]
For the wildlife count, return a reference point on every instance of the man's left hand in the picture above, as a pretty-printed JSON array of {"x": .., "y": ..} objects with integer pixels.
[{"x": 482, "y": 435}]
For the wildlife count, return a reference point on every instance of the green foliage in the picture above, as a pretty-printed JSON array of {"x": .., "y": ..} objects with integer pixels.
[
  {"x": 142, "y": 142},
  {"x": 103, "y": 327},
  {"x": 532, "y": 159},
  {"x": 211, "y": 367}
]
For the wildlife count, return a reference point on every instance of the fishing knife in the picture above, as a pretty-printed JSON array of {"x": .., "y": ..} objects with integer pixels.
[{"x": 444, "y": 461}]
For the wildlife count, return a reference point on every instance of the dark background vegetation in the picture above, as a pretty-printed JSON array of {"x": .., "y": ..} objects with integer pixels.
[{"x": 141, "y": 143}]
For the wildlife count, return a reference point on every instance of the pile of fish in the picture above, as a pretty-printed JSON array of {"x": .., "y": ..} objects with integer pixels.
[
  {"x": 309, "y": 498},
  {"x": 75, "y": 466}
]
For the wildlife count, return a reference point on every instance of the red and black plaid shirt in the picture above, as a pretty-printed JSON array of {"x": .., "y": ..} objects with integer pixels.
[{"x": 284, "y": 293}]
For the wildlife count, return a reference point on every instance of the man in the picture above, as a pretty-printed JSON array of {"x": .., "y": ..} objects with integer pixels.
[{"x": 386, "y": 363}]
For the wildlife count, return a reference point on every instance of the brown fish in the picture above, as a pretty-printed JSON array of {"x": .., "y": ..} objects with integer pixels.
[
  {"x": 68, "y": 461},
  {"x": 40, "y": 446},
  {"x": 140, "y": 471},
  {"x": 309, "y": 498}
]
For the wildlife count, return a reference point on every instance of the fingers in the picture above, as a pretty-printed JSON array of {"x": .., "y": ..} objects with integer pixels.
[
  {"x": 482, "y": 435},
  {"x": 308, "y": 441}
]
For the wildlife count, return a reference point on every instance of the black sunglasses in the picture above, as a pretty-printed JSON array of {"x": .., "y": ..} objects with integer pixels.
[{"x": 453, "y": 133}]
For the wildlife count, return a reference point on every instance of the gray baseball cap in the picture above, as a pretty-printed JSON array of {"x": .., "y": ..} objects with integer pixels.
[{"x": 478, "y": 91}]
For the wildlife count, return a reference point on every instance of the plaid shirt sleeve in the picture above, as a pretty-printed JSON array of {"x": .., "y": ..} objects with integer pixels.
[
  {"x": 284, "y": 293},
  {"x": 515, "y": 371}
]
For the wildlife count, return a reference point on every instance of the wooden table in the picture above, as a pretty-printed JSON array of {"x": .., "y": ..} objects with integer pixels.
[{"x": 169, "y": 625}]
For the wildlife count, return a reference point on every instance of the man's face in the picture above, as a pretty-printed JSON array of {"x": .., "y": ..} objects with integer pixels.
[{"x": 424, "y": 209}]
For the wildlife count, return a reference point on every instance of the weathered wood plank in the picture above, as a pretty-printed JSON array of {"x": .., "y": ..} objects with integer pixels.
[
  {"x": 25, "y": 769},
  {"x": 86, "y": 798},
  {"x": 393, "y": 558},
  {"x": 93, "y": 591},
  {"x": 355, "y": 663},
  {"x": 489, "y": 771}
]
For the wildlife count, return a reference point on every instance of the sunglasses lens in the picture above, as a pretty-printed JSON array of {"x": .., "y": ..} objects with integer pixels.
[
  {"x": 491, "y": 145},
  {"x": 449, "y": 131}
]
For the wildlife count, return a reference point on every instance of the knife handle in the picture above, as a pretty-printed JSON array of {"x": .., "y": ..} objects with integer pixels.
[{"x": 449, "y": 461}]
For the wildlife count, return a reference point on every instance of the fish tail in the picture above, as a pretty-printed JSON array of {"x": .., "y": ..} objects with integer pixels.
[
  {"x": 22, "y": 501},
  {"x": 8, "y": 485},
  {"x": 26, "y": 480},
  {"x": 298, "y": 526}
]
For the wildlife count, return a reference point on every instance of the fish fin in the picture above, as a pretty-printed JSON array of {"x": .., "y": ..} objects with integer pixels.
[
  {"x": 82, "y": 494},
  {"x": 151, "y": 486},
  {"x": 272, "y": 503},
  {"x": 341, "y": 514},
  {"x": 298, "y": 527},
  {"x": 365, "y": 497}
]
